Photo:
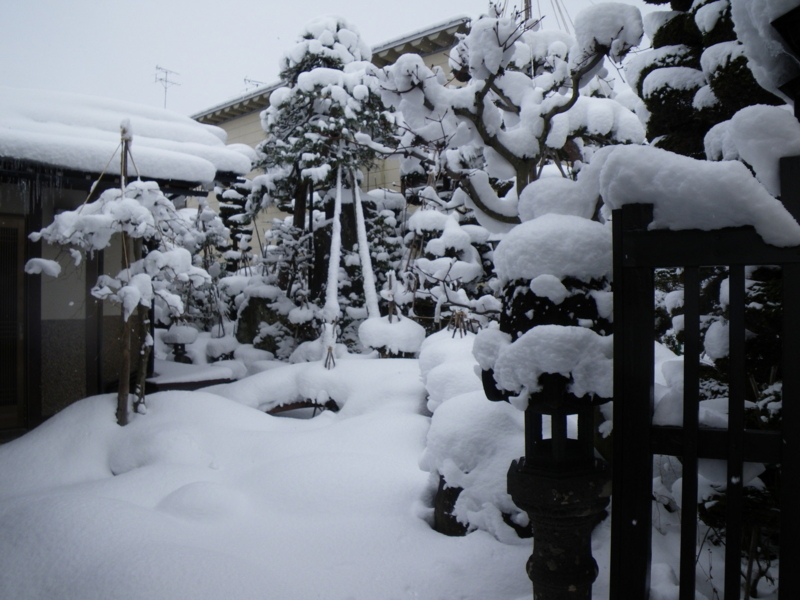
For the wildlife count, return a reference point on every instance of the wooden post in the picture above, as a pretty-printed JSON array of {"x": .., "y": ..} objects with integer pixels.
[{"x": 125, "y": 354}]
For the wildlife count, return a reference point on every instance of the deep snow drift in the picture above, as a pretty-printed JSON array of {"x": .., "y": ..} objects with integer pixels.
[{"x": 205, "y": 497}]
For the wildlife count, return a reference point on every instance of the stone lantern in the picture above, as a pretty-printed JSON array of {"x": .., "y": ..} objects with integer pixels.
[{"x": 563, "y": 488}]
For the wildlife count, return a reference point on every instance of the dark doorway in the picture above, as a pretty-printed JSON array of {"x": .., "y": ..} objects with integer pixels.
[{"x": 12, "y": 311}]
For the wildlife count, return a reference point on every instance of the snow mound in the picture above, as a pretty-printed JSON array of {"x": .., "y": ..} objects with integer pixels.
[
  {"x": 351, "y": 384},
  {"x": 400, "y": 334}
]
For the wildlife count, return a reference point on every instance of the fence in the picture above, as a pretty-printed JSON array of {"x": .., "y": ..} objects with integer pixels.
[{"x": 637, "y": 253}]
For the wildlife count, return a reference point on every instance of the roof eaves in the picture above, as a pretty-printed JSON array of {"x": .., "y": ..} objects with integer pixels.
[
  {"x": 422, "y": 33},
  {"x": 257, "y": 96},
  {"x": 223, "y": 111}
]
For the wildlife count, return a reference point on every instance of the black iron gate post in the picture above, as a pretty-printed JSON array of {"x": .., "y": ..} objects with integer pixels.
[{"x": 633, "y": 408}]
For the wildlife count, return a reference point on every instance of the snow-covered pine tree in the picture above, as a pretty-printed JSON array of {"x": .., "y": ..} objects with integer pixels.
[
  {"x": 695, "y": 76},
  {"x": 329, "y": 117},
  {"x": 234, "y": 213},
  {"x": 521, "y": 107},
  {"x": 522, "y": 128}
]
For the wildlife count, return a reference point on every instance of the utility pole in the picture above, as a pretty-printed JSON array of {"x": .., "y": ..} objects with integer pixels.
[
  {"x": 527, "y": 10},
  {"x": 162, "y": 77}
]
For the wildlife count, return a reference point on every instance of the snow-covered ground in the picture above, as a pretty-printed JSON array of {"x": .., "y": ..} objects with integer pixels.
[{"x": 206, "y": 497}]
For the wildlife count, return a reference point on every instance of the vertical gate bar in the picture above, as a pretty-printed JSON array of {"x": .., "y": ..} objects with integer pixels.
[
  {"x": 617, "y": 588},
  {"x": 634, "y": 318},
  {"x": 736, "y": 387},
  {"x": 691, "y": 408},
  {"x": 789, "y": 582},
  {"x": 790, "y": 184}
]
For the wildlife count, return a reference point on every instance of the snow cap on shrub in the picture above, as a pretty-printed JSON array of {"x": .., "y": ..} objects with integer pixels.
[
  {"x": 611, "y": 25},
  {"x": 558, "y": 245},
  {"x": 574, "y": 352}
]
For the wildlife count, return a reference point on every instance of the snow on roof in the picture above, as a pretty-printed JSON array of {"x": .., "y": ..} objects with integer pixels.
[
  {"x": 266, "y": 90},
  {"x": 409, "y": 37},
  {"x": 80, "y": 132}
]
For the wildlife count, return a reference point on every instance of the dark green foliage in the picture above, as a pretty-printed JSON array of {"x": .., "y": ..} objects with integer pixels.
[
  {"x": 523, "y": 310},
  {"x": 687, "y": 141},
  {"x": 722, "y": 32},
  {"x": 681, "y": 4},
  {"x": 675, "y": 123},
  {"x": 678, "y": 126},
  {"x": 681, "y": 29},
  {"x": 680, "y": 113},
  {"x": 736, "y": 87}
]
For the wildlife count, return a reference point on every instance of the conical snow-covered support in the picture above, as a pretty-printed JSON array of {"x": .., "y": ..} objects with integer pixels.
[{"x": 331, "y": 311}]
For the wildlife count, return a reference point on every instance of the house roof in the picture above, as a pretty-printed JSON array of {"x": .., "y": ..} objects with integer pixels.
[
  {"x": 82, "y": 133},
  {"x": 430, "y": 40}
]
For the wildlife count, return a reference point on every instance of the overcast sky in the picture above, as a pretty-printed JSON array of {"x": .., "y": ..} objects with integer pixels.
[{"x": 111, "y": 48}]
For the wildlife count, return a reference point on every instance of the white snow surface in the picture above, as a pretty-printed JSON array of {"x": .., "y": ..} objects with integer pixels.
[
  {"x": 448, "y": 367},
  {"x": 331, "y": 37},
  {"x": 206, "y": 498},
  {"x": 35, "y": 266},
  {"x": 769, "y": 60},
  {"x": 471, "y": 441},
  {"x": 688, "y": 193},
  {"x": 557, "y": 245},
  {"x": 557, "y": 195},
  {"x": 613, "y": 25},
  {"x": 706, "y": 16},
  {"x": 570, "y": 351},
  {"x": 719, "y": 55},
  {"x": 550, "y": 287},
  {"x": 653, "y": 21},
  {"x": 400, "y": 334},
  {"x": 760, "y": 135},
  {"x": 80, "y": 132},
  {"x": 675, "y": 78}
]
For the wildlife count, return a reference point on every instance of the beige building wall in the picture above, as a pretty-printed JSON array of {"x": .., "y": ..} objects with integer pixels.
[
  {"x": 245, "y": 129},
  {"x": 384, "y": 174}
]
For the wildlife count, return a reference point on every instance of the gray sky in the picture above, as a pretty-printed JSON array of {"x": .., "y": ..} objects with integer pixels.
[{"x": 111, "y": 48}]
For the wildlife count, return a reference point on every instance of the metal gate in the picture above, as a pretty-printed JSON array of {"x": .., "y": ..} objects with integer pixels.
[{"x": 637, "y": 253}]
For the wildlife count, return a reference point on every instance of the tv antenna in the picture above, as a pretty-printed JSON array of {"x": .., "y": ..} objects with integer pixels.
[
  {"x": 163, "y": 77},
  {"x": 248, "y": 83}
]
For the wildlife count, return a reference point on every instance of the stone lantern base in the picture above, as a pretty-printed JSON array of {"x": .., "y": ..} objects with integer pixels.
[{"x": 564, "y": 508}]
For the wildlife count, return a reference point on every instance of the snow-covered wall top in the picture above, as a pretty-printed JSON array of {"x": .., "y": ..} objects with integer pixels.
[
  {"x": 80, "y": 132},
  {"x": 688, "y": 193}
]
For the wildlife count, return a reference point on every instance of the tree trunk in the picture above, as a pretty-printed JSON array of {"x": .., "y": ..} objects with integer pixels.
[
  {"x": 124, "y": 372},
  {"x": 300, "y": 194}
]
